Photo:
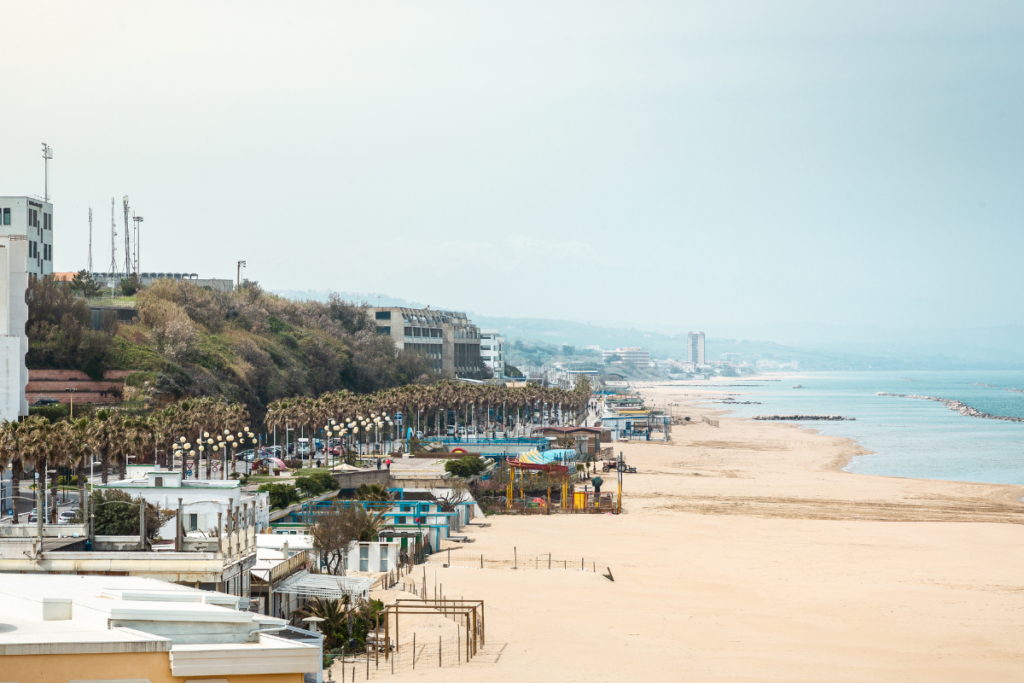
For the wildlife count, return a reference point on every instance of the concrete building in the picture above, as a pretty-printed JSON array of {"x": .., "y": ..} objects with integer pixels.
[
  {"x": 203, "y": 502},
  {"x": 31, "y": 218},
  {"x": 633, "y": 355},
  {"x": 146, "y": 279},
  {"x": 103, "y": 628},
  {"x": 695, "y": 348},
  {"x": 14, "y": 260},
  {"x": 492, "y": 352},
  {"x": 447, "y": 338}
]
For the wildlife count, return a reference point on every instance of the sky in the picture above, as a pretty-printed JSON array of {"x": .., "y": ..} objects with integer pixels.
[{"x": 669, "y": 165}]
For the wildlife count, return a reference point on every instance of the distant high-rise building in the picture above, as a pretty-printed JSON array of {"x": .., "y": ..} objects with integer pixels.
[
  {"x": 14, "y": 257},
  {"x": 695, "y": 348}
]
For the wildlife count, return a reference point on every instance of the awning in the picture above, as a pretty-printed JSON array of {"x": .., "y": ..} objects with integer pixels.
[{"x": 325, "y": 585}]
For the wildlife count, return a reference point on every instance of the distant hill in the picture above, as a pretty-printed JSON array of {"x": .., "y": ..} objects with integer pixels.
[{"x": 815, "y": 347}]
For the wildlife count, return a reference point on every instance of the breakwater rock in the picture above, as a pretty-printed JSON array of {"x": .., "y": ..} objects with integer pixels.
[
  {"x": 804, "y": 418},
  {"x": 730, "y": 402},
  {"x": 956, "y": 406}
]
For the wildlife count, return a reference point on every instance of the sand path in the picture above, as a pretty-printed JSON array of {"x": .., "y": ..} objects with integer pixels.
[{"x": 747, "y": 555}]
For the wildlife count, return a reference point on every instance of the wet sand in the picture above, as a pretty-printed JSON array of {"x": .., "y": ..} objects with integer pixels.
[{"x": 747, "y": 554}]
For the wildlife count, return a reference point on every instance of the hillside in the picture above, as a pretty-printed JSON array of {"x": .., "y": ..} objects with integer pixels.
[{"x": 249, "y": 346}]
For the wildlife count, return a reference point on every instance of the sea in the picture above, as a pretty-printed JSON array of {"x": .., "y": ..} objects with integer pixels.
[{"x": 908, "y": 437}]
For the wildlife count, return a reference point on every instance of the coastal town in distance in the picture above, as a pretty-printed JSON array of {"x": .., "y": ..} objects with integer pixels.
[{"x": 569, "y": 342}]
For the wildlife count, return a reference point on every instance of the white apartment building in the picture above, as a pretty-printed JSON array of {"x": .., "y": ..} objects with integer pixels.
[
  {"x": 13, "y": 316},
  {"x": 31, "y": 218},
  {"x": 695, "y": 348},
  {"x": 630, "y": 354},
  {"x": 492, "y": 352}
]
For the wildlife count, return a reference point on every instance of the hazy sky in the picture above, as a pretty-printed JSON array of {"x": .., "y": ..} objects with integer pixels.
[{"x": 660, "y": 164}]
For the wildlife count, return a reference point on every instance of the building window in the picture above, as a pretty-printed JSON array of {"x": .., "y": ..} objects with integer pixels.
[
  {"x": 7, "y": 216},
  {"x": 364, "y": 558},
  {"x": 485, "y": 348},
  {"x": 193, "y": 522},
  {"x": 159, "y": 481},
  {"x": 383, "y": 558},
  {"x": 408, "y": 332},
  {"x": 416, "y": 332},
  {"x": 383, "y": 315},
  {"x": 384, "y": 330}
]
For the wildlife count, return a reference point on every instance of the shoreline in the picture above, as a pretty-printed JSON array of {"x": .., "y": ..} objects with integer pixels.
[{"x": 747, "y": 553}]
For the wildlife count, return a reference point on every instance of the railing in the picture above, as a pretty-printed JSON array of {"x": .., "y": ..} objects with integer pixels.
[{"x": 513, "y": 560}]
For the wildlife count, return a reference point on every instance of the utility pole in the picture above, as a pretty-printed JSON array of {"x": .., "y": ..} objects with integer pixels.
[
  {"x": 88, "y": 266},
  {"x": 47, "y": 155},
  {"x": 238, "y": 282}
]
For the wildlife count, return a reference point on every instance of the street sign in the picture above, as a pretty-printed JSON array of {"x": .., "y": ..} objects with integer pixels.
[
  {"x": 188, "y": 473},
  {"x": 189, "y": 463},
  {"x": 398, "y": 418}
]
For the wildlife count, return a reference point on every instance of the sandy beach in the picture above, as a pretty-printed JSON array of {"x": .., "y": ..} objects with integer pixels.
[{"x": 747, "y": 554}]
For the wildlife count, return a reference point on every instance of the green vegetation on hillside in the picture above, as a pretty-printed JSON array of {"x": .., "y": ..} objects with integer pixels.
[{"x": 247, "y": 346}]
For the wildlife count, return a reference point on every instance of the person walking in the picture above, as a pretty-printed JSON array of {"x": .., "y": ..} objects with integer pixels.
[{"x": 378, "y": 463}]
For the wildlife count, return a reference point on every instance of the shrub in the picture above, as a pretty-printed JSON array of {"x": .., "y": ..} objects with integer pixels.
[
  {"x": 281, "y": 495},
  {"x": 469, "y": 466}
]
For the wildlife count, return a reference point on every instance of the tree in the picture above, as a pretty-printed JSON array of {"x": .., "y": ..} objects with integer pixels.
[
  {"x": 373, "y": 493},
  {"x": 332, "y": 535},
  {"x": 84, "y": 284},
  {"x": 117, "y": 514}
]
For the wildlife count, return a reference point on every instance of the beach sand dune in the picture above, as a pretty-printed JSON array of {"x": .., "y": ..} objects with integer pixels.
[{"x": 746, "y": 554}]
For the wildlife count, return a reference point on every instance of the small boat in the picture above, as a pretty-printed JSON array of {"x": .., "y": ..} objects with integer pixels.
[{"x": 798, "y": 386}]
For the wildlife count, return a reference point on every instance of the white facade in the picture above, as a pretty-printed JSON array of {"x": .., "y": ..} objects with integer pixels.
[
  {"x": 631, "y": 354},
  {"x": 201, "y": 500},
  {"x": 695, "y": 348},
  {"x": 13, "y": 316},
  {"x": 31, "y": 218},
  {"x": 492, "y": 352}
]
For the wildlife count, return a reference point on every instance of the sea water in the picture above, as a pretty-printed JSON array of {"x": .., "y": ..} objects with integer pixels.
[{"x": 908, "y": 437}]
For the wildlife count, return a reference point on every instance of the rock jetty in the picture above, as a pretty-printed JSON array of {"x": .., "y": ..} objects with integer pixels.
[
  {"x": 956, "y": 406},
  {"x": 804, "y": 418}
]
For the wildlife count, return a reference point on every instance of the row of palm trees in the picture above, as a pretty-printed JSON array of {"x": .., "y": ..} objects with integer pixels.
[
  {"x": 112, "y": 435},
  {"x": 474, "y": 404},
  {"x": 116, "y": 436}
]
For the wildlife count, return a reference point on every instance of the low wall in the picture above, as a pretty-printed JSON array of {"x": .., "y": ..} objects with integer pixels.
[
  {"x": 352, "y": 479},
  {"x": 419, "y": 483},
  {"x": 115, "y": 543},
  {"x": 49, "y": 530}
]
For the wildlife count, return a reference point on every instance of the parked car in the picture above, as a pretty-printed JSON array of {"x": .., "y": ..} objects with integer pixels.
[
  {"x": 451, "y": 430},
  {"x": 65, "y": 516},
  {"x": 47, "y": 402},
  {"x": 419, "y": 435},
  {"x": 247, "y": 455}
]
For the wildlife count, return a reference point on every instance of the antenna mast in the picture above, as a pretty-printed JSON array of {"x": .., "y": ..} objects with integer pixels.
[
  {"x": 88, "y": 267},
  {"x": 127, "y": 241},
  {"x": 113, "y": 245},
  {"x": 137, "y": 219},
  {"x": 47, "y": 155}
]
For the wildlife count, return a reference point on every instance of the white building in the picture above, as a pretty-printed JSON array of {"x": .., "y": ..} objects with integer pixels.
[
  {"x": 492, "y": 352},
  {"x": 201, "y": 501},
  {"x": 631, "y": 354},
  {"x": 124, "y": 628},
  {"x": 695, "y": 348},
  {"x": 13, "y": 316},
  {"x": 32, "y": 218}
]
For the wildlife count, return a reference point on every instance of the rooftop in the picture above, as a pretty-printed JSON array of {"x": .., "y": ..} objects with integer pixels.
[{"x": 69, "y": 614}]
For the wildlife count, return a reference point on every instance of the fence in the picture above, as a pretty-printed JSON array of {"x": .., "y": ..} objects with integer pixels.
[
  {"x": 514, "y": 560},
  {"x": 422, "y": 653},
  {"x": 709, "y": 420}
]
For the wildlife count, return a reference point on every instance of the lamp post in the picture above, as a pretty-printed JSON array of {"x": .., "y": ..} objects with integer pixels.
[{"x": 72, "y": 391}]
